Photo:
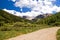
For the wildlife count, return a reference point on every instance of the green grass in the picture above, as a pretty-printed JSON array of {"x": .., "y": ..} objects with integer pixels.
[
  {"x": 15, "y": 29},
  {"x": 8, "y": 34},
  {"x": 58, "y": 34}
]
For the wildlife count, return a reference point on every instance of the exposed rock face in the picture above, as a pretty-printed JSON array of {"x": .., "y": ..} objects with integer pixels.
[
  {"x": 28, "y": 17},
  {"x": 39, "y": 16},
  {"x": 43, "y": 15}
]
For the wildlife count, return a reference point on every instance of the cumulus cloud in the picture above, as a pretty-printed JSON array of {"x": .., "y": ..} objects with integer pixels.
[
  {"x": 13, "y": 12},
  {"x": 37, "y": 7}
]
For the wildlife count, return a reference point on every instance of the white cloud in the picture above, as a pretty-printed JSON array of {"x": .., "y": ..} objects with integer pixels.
[
  {"x": 13, "y": 12},
  {"x": 10, "y": 11},
  {"x": 58, "y": 9},
  {"x": 38, "y": 7},
  {"x": 13, "y": 0}
]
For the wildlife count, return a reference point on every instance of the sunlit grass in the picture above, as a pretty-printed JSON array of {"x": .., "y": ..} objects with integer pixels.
[
  {"x": 13, "y": 30},
  {"x": 58, "y": 34}
]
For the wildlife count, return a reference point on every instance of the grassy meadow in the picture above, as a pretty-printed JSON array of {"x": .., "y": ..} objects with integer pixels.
[{"x": 18, "y": 28}]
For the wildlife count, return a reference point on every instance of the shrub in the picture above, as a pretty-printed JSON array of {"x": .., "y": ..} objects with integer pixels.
[{"x": 56, "y": 24}]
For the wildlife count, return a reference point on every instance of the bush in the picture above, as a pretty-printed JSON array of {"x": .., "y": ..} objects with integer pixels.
[
  {"x": 5, "y": 29},
  {"x": 58, "y": 34},
  {"x": 56, "y": 24},
  {"x": 1, "y": 23}
]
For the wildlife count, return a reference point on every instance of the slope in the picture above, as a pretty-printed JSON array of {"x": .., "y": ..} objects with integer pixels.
[
  {"x": 9, "y": 18},
  {"x": 51, "y": 20}
]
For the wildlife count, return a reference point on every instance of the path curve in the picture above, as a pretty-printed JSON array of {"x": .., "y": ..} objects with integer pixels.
[{"x": 43, "y": 34}]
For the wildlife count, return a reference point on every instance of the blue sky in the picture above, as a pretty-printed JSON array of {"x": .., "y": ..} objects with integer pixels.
[
  {"x": 57, "y": 3},
  {"x": 6, "y": 4}
]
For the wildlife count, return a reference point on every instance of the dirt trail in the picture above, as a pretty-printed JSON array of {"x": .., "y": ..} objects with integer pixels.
[{"x": 43, "y": 34}]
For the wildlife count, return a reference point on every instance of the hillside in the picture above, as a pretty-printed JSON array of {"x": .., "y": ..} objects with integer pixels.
[
  {"x": 9, "y": 18},
  {"x": 11, "y": 25},
  {"x": 51, "y": 20}
]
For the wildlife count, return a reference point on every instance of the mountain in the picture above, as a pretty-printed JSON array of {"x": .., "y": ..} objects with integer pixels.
[
  {"x": 7, "y": 17},
  {"x": 43, "y": 15},
  {"x": 50, "y": 20},
  {"x": 28, "y": 17},
  {"x": 37, "y": 17}
]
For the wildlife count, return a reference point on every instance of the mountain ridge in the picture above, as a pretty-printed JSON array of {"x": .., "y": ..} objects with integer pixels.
[
  {"x": 6, "y": 17},
  {"x": 40, "y": 19}
]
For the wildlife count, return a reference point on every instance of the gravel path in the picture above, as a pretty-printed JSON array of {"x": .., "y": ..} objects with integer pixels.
[{"x": 43, "y": 34}]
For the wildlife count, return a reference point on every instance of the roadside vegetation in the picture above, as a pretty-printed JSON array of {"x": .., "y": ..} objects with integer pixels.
[
  {"x": 18, "y": 28},
  {"x": 58, "y": 34}
]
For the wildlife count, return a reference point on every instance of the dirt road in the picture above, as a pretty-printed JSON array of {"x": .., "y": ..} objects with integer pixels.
[{"x": 43, "y": 34}]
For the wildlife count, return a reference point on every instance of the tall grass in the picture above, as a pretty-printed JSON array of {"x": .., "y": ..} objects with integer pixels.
[
  {"x": 18, "y": 28},
  {"x": 58, "y": 34}
]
